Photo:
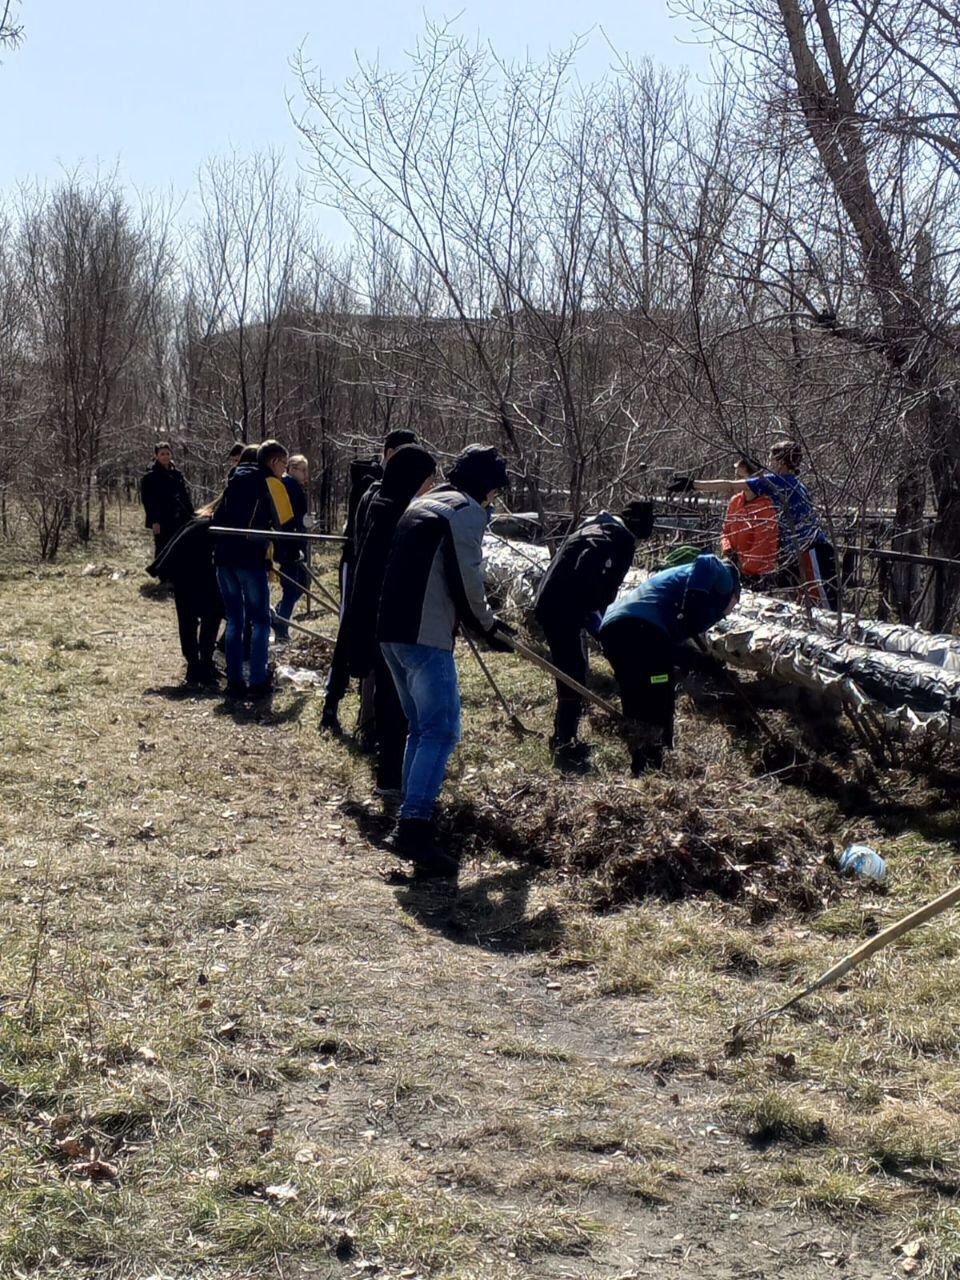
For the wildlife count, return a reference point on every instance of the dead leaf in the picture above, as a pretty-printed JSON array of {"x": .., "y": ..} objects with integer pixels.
[
  {"x": 60, "y": 1124},
  {"x": 227, "y": 1031},
  {"x": 146, "y": 1055},
  {"x": 75, "y": 1148},
  {"x": 265, "y": 1136},
  {"x": 786, "y": 1061},
  {"x": 205, "y": 1003},
  {"x": 95, "y": 1170}
]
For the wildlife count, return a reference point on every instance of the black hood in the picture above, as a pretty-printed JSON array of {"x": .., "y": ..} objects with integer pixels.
[
  {"x": 404, "y": 473},
  {"x": 477, "y": 471}
]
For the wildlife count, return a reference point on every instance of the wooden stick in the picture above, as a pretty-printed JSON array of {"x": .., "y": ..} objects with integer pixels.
[
  {"x": 324, "y": 592},
  {"x": 863, "y": 952},
  {"x": 307, "y": 631},
  {"x": 532, "y": 656},
  {"x": 293, "y": 582},
  {"x": 516, "y": 724}
]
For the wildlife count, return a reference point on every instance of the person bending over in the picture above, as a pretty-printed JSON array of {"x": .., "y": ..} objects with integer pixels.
[
  {"x": 641, "y": 635},
  {"x": 365, "y": 476},
  {"x": 186, "y": 560},
  {"x": 433, "y": 583},
  {"x": 408, "y": 474},
  {"x": 254, "y": 499},
  {"x": 581, "y": 581}
]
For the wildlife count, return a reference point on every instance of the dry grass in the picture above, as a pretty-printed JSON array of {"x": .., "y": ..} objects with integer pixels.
[{"x": 208, "y": 990}]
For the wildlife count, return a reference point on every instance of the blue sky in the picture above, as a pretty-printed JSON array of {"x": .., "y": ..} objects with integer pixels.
[{"x": 157, "y": 86}]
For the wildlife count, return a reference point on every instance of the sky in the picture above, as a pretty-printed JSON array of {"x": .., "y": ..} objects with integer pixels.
[{"x": 152, "y": 88}]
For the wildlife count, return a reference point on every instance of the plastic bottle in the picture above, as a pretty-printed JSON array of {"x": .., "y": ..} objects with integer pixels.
[{"x": 861, "y": 860}]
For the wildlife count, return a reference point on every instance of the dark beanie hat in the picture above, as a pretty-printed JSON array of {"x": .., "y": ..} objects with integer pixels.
[
  {"x": 396, "y": 439},
  {"x": 405, "y": 471},
  {"x": 638, "y": 517},
  {"x": 477, "y": 471}
]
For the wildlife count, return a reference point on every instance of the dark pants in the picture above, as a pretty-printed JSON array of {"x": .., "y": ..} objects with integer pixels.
[
  {"x": 568, "y": 651},
  {"x": 642, "y": 657},
  {"x": 199, "y": 610},
  {"x": 391, "y": 727},
  {"x": 338, "y": 678}
]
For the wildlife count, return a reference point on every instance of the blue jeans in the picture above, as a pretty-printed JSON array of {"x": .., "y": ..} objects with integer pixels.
[
  {"x": 426, "y": 680},
  {"x": 246, "y": 599},
  {"x": 295, "y": 573}
]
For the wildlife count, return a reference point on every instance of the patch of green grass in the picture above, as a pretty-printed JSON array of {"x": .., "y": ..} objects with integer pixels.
[
  {"x": 776, "y": 1116},
  {"x": 530, "y": 1051},
  {"x": 831, "y": 1184}
]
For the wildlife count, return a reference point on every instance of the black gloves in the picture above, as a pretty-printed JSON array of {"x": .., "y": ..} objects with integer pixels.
[
  {"x": 681, "y": 484},
  {"x": 497, "y": 636}
]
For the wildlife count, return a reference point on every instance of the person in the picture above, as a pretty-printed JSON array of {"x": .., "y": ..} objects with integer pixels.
[
  {"x": 641, "y": 634},
  {"x": 166, "y": 497},
  {"x": 807, "y": 558},
  {"x": 364, "y": 474},
  {"x": 392, "y": 441},
  {"x": 289, "y": 555},
  {"x": 408, "y": 474},
  {"x": 750, "y": 533},
  {"x": 433, "y": 583},
  {"x": 254, "y": 499},
  {"x": 186, "y": 560},
  {"x": 233, "y": 457},
  {"x": 581, "y": 581}
]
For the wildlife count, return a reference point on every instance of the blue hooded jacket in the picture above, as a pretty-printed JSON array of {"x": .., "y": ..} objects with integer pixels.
[{"x": 683, "y": 602}]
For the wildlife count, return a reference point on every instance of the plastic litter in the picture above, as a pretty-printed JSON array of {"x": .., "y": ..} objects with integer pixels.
[{"x": 860, "y": 860}]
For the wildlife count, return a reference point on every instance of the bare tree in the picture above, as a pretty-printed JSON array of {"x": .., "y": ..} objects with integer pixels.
[{"x": 865, "y": 96}]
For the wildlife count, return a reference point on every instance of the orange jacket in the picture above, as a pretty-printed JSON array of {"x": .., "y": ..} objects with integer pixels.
[{"x": 750, "y": 529}]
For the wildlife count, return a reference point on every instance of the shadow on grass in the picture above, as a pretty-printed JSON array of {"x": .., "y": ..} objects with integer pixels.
[
  {"x": 183, "y": 692},
  {"x": 261, "y": 711},
  {"x": 490, "y": 913}
]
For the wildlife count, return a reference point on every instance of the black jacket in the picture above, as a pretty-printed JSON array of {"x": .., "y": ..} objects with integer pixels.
[
  {"x": 253, "y": 499},
  {"x": 187, "y": 560},
  {"x": 166, "y": 497},
  {"x": 363, "y": 473},
  {"x": 403, "y": 475},
  {"x": 434, "y": 576},
  {"x": 585, "y": 574}
]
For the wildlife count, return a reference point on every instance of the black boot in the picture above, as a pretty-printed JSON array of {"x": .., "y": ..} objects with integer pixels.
[
  {"x": 572, "y": 756},
  {"x": 416, "y": 840},
  {"x": 330, "y": 718},
  {"x": 646, "y": 746}
]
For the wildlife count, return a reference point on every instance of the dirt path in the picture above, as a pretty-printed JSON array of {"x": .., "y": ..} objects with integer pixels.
[{"x": 367, "y": 1027}]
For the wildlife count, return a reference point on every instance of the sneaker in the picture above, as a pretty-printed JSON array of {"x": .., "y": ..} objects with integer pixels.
[{"x": 415, "y": 839}]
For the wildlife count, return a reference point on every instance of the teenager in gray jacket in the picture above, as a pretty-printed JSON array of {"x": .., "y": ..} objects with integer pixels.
[{"x": 433, "y": 584}]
